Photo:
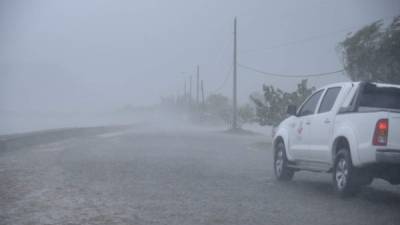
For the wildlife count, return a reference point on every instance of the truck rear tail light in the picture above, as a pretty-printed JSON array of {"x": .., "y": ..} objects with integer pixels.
[{"x": 381, "y": 132}]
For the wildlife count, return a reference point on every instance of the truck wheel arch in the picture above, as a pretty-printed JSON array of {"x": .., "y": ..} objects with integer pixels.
[
  {"x": 345, "y": 140},
  {"x": 282, "y": 135},
  {"x": 277, "y": 140},
  {"x": 339, "y": 143}
]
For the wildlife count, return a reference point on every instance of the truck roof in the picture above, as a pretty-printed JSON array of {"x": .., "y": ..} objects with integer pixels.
[{"x": 356, "y": 84}]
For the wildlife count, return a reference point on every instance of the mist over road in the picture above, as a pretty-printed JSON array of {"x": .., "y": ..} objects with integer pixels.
[{"x": 173, "y": 175}]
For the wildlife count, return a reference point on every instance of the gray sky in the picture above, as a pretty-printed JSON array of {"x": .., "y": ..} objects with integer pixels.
[{"x": 99, "y": 55}]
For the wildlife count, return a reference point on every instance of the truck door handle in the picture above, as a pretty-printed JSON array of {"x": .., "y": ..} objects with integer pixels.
[
  {"x": 308, "y": 123},
  {"x": 327, "y": 120}
]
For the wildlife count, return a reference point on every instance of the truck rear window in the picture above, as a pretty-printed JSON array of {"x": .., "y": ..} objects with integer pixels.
[{"x": 380, "y": 97}]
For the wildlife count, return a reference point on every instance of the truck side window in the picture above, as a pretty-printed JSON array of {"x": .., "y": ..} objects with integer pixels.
[
  {"x": 310, "y": 105},
  {"x": 329, "y": 99}
]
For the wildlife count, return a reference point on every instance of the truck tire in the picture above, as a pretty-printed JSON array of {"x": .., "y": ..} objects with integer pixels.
[
  {"x": 345, "y": 175},
  {"x": 281, "y": 169}
]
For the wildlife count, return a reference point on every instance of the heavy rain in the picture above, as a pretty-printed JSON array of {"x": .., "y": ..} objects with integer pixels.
[{"x": 199, "y": 112}]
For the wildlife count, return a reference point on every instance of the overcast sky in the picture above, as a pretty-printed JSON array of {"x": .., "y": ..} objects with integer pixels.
[{"x": 99, "y": 55}]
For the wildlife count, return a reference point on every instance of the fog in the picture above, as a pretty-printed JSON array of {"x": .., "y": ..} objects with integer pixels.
[
  {"x": 77, "y": 63},
  {"x": 125, "y": 112}
]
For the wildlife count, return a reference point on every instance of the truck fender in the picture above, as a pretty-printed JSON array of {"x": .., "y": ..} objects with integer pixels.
[
  {"x": 284, "y": 135},
  {"x": 347, "y": 133}
]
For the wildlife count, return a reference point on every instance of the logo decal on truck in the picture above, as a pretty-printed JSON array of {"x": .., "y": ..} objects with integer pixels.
[{"x": 300, "y": 128}]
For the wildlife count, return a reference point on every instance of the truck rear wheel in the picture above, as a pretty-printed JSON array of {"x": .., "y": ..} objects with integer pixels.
[
  {"x": 281, "y": 169},
  {"x": 345, "y": 175}
]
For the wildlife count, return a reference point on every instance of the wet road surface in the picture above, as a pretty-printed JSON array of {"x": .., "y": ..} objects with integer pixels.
[{"x": 173, "y": 176}]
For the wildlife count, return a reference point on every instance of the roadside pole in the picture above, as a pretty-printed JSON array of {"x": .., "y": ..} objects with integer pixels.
[{"x": 234, "y": 122}]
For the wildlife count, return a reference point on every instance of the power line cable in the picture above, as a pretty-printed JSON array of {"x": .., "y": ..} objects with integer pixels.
[
  {"x": 307, "y": 39},
  {"x": 218, "y": 63},
  {"x": 295, "y": 42},
  {"x": 290, "y": 75},
  {"x": 224, "y": 82},
  {"x": 221, "y": 51}
]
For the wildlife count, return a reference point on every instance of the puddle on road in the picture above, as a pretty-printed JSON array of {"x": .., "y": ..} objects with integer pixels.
[
  {"x": 53, "y": 147},
  {"x": 110, "y": 135}
]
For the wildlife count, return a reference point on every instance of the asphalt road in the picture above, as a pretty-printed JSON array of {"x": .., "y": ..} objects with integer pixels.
[{"x": 173, "y": 176}]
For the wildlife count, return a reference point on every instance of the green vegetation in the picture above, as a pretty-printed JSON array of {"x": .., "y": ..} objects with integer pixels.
[
  {"x": 373, "y": 53},
  {"x": 271, "y": 107}
]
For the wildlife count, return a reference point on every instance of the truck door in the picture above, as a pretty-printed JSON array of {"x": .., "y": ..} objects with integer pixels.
[
  {"x": 321, "y": 127},
  {"x": 300, "y": 129}
]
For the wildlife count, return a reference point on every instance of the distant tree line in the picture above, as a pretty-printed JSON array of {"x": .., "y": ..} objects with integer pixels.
[{"x": 216, "y": 109}]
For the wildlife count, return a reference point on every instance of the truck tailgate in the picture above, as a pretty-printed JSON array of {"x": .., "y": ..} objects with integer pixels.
[{"x": 394, "y": 131}]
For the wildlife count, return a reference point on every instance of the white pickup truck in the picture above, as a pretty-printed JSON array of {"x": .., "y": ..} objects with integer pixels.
[{"x": 349, "y": 129}]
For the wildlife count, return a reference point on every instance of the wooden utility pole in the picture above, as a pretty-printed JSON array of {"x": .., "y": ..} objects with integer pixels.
[
  {"x": 190, "y": 90},
  {"x": 184, "y": 91},
  {"x": 197, "y": 85},
  {"x": 234, "y": 122},
  {"x": 202, "y": 93}
]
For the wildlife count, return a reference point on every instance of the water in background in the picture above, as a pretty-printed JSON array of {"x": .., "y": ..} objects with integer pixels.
[{"x": 11, "y": 123}]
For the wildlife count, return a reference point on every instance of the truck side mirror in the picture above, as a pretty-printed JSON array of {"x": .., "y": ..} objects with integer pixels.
[{"x": 291, "y": 110}]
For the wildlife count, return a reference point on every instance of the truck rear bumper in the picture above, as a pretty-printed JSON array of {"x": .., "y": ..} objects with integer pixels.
[{"x": 388, "y": 156}]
